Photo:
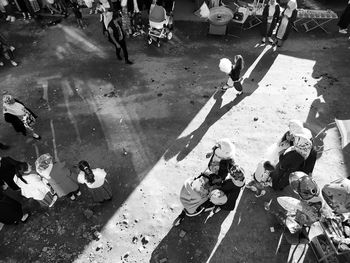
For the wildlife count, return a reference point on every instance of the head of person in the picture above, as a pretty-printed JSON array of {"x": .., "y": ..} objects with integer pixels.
[
  {"x": 225, "y": 149},
  {"x": 43, "y": 162},
  {"x": 217, "y": 197},
  {"x": 85, "y": 167},
  {"x": 22, "y": 170},
  {"x": 239, "y": 62},
  {"x": 303, "y": 185},
  {"x": 8, "y": 99},
  {"x": 272, "y": 2},
  {"x": 215, "y": 179},
  {"x": 225, "y": 65}
]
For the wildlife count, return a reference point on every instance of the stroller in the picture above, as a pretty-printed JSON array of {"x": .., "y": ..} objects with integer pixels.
[{"x": 160, "y": 22}]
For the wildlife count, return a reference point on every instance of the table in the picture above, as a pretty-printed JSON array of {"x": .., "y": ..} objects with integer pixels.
[{"x": 314, "y": 19}]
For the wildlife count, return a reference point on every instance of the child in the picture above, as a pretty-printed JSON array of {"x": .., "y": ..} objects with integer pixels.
[
  {"x": 234, "y": 72},
  {"x": 95, "y": 180},
  {"x": 78, "y": 15},
  {"x": 58, "y": 176}
]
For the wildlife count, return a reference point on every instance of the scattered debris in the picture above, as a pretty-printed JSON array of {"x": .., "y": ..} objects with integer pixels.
[
  {"x": 182, "y": 233},
  {"x": 256, "y": 118},
  {"x": 145, "y": 240},
  {"x": 160, "y": 94},
  {"x": 88, "y": 213}
]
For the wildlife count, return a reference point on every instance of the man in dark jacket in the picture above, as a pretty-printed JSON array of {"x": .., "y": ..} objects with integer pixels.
[
  {"x": 118, "y": 36},
  {"x": 8, "y": 169}
]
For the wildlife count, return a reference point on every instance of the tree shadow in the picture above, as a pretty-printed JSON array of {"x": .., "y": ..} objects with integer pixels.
[{"x": 184, "y": 145}]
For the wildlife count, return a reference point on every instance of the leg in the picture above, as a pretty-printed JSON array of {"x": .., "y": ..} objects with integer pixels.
[{"x": 125, "y": 51}]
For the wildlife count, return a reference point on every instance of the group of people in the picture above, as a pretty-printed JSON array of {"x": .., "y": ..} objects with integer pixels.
[
  {"x": 280, "y": 22},
  {"x": 290, "y": 161},
  {"x": 49, "y": 180}
]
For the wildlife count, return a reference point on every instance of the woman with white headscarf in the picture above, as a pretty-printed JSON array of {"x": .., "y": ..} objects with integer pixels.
[
  {"x": 292, "y": 142},
  {"x": 287, "y": 19},
  {"x": 21, "y": 118},
  {"x": 299, "y": 157}
]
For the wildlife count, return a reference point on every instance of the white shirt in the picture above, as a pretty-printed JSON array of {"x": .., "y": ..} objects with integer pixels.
[
  {"x": 99, "y": 176},
  {"x": 35, "y": 187}
]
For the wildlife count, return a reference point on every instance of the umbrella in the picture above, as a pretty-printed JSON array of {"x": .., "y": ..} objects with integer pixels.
[
  {"x": 337, "y": 195},
  {"x": 344, "y": 129}
]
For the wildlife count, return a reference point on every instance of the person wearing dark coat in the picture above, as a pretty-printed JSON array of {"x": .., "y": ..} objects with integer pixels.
[
  {"x": 11, "y": 211},
  {"x": 117, "y": 35},
  {"x": 344, "y": 20},
  {"x": 289, "y": 162},
  {"x": 271, "y": 14},
  {"x": 8, "y": 169},
  {"x": 286, "y": 22}
]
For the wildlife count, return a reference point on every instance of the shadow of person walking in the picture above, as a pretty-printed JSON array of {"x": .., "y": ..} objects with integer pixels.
[{"x": 185, "y": 144}]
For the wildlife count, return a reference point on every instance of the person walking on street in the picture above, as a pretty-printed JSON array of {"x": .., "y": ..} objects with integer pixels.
[
  {"x": 118, "y": 36},
  {"x": 21, "y": 118},
  {"x": 95, "y": 180}
]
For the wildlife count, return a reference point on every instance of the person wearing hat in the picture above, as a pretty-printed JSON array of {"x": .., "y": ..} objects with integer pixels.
[
  {"x": 195, "y": 193},
  {"x": 117, "y": 34}
]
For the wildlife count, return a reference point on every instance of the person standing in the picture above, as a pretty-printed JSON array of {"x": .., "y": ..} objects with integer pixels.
[
  {"x": 270, "y": 17},
  {"x": 234, "y": 73},
  {"x": 118, "y": 36},
  {"x": 95, "y": 180},
  {"x": 11, "y": 211},
  {"x": 21, "y": 118},
  {"x": 286, "y": 22},
  {"x": 32, "y": 186},
  {"x": 8, "y": 169},
  {"x": 344, "y": 20}
]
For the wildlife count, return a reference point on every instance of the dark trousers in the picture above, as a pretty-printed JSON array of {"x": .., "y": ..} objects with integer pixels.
[
  {"x": 344, "y": 19},
  {"x": 122, "y": 44}
]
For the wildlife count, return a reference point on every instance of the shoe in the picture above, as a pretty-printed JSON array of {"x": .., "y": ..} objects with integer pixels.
[
  {"x": 13, "y": 19},
  {"x": 25, "y": 217},
  {"x": 216, "y": 209},
  {"x": 36, "y": 136},
  {"x": 343, "y": 31},
  {"x": 12, "y": 48},
  {"x": 260, "y": 193},
  {"x": 8, "y": 18},
  {"x": 78, "y": 193},
  {"x": 263, "y": 40},
  {"x": 270, "y": 40},
  {"x": 129, "y": 62},
  {"x": 251, "y": 186},
  {"x": 72, "y": 197},
  {"x": 1, "y": 64},
  {"x": 54, "y": 199},
  {"x": 14, "y": 63},
  {"x": 239, "y": 93},
  {"x": 225, "y": 87}
]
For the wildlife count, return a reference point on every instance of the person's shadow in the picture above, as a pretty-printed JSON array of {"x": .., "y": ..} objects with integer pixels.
[{"x": 184, "y": 145}]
